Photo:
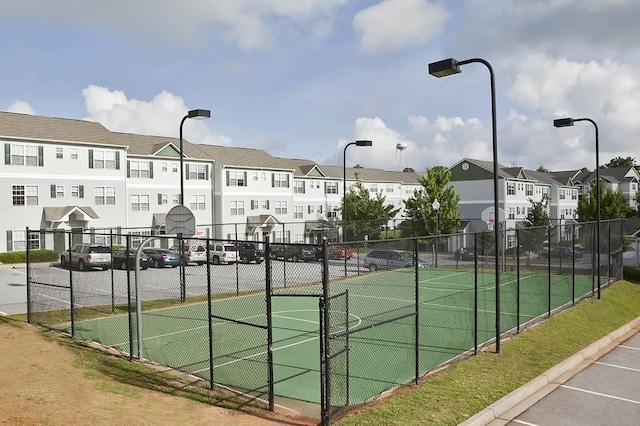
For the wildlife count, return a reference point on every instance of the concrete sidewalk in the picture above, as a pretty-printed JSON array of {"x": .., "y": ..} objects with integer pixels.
[{"x": 509, "y": 407}]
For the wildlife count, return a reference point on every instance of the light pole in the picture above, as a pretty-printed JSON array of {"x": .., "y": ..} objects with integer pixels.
[
  {"x": 436, "y": 207},
  {"x": 344, "y": 184},
  {"x": 568, "y": 122},
  {"x": 198, "y": 114},
  {"x": 451, "y": 66}
]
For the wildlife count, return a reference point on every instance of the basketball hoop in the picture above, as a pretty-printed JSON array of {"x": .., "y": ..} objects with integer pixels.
[{"x": 490, "y": 223}]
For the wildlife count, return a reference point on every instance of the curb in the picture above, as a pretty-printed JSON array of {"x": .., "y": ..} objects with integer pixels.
[{"x": 515, "y": 403}]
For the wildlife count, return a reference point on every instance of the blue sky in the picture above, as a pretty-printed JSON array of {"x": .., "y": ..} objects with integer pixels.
[{"x": 301, "y": 78}]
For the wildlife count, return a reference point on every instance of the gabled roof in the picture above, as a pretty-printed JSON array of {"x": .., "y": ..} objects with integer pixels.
[
  {"x": 371, "y": 175},
  {"x": 543, "y": 177},
  {"x": 51, "y": 128},
  {"x": 488, "y": 165},
  {"x": 565, "y": 176},
  {"x": 234, "y": 156}
]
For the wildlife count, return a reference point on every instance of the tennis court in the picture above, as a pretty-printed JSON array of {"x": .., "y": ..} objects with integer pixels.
[{"x": 454, "y": 315}]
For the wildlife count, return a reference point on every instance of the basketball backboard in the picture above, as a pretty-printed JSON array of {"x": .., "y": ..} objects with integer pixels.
[{"x": 180, "y": 220}]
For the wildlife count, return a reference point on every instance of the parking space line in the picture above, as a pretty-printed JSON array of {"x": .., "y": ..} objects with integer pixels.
[
  {"x": 629, "y": 347},
  {"x": 600, "y": 394},
  {"x": 522, "y": 422},
  {"x": 617, "y": 366}
]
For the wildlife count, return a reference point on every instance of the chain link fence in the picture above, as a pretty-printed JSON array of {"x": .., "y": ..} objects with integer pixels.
[{"x": 311, "y": 330}]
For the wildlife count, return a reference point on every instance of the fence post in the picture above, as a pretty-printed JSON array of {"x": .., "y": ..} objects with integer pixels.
[
  {"x": 269, "y": 292},
  {"x": 475, "y": 292},
  {"x": 417, "y": 309},
  {"x": 209, "y": 311},
  {"x": 129, "y": 306},
  {"x": 28, "y": 256},
  {"x": 573, "y": 271},
  {"x": 549, "y": 270},
  {"x": 518, "y": 280},
  {"x": 113, "y": 294},
  {"x": 71, "y": 301}
]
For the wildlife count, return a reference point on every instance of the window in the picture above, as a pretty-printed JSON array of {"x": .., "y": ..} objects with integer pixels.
[
  {"x": 174, "y": 167},
  {"x": 255, "y": 176},
  {"x": 562, "y": 194},
  {"x": 25, "y": 195},
  {"x": 512, "y": 213},
  {"x": 298, "y": 212},
  {"x": 280, "y": 180},
  {"x": 236, "y": 178},
  {"x": 197, "y": 171},
  {"x": 331, "y": 187},
  {"x": 75, "y": 191},
  {"x": 281, "y": 207},
  {"x": 197, "y": 202},
  {"x": 373, "y": 189},
  {"x": 511, "y": 188},
  {"x": 237, "y": 208},
  {"x": 176, "y": 199},
  {"x": 574, "y": 194},
  {"x": 389, "y": 188},
  {"x": 19, "y": 240},
  {"x": 320, "y": 209},
  {"x": 263, "y": 176},
  {"x": 163, "y": 199},
  {"x": 520, "y": 186},
  {"x": 311, "y": 209},
  {"x": 530, "y": 189},
  {"x": 139, "y": 202},
  {"x": 104, "y": 195},
  {"x": 59, "y": 152},
  {"x": 59, "y": 191},
  {"x": 99, "y": 159},
  {"x": 265, "y": 204},
  {"x": 164, "y": 166},
  {"x": 24, "y": 155},
  {"x": 73, "y": 153},
  {"x": 140, "y": 169},
  {"x": 298, "y": 187}
]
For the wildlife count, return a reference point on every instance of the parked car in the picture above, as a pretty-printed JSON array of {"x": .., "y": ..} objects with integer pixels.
[
  {"x": 87, "y": 256},
  {"x": 464, "y": 253},
  {"x": 191, "y": 253},
  {"x": 122, "y": 261},
  {"x": 161, "y": 258},
  {"x": 248, "y": 252},
  {"x": 293, "y": 252},
  {"x": 339, "y": 252},
  {"x": 561, "y": 252},
  {"x": 390, "y": 259},
  {"x": 223, "y": 253}
]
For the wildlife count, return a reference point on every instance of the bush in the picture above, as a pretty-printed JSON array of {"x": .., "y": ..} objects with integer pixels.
[
  {"x": 36, "y": 256},
  {"x": 631, "y": 273}
]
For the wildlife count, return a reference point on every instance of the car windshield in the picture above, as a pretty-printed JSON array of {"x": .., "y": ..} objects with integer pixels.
[{"x": 100, "y": 249}]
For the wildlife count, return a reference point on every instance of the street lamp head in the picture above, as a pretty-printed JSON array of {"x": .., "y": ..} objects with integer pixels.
[
  {"x": 436, "y": 205},
  {"x": 364, "y": 143},
  {"x": 199, "y": 114},
  {"x": 444, "y": 68},
  {"x": 563, "y": 122}
]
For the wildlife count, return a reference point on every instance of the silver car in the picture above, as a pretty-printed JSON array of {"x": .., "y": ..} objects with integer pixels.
[{"x": 391, "y": 259}]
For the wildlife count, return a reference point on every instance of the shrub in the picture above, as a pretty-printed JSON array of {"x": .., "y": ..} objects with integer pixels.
[
  {"x": 36, "y": 256},
  {"x": 631, "y": 273}
]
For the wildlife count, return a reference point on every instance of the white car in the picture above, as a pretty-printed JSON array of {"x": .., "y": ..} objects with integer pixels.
[
  {"x": 223, "y": 253},
  {"x": 192, "y": 253}
]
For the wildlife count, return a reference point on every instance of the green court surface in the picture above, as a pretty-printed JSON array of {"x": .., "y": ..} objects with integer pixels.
[{"x": 381, "y": 322}]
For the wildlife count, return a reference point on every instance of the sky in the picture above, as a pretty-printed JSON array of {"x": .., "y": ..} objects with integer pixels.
[{"x": 302, "y": 78}]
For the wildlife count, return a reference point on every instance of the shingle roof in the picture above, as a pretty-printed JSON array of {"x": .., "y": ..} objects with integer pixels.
[
  {"x": 51, "y": 128},
  {"x": 234, "y": 156}
]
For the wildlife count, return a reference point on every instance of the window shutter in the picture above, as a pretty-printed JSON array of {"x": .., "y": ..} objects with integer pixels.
[
  {"x": 151, "y": 169},
  {"x": 119, "y": 232},
  {"x": 273, "y": 180},
  {"x": 206, "y": 172},
  {"x": 40, "y": 156},
  {"x": 245, "y": 179},
  {"x": 128, "y": 168},
  {"x": 117, "y": 160},
  {"x": 91, "y": 159},
  {"x": 287, "y": 180},
  {"x": 42, "y": 239},
  {"x": 227, "y": 177},
  {"x": 186, "y": 175},
  {"x": 304, "y": 187},
  {"x": 53, "y": 191},
  {"x": 309, "y": 209},
  {"x": 7, "y": 153},
  {"x": 251, "y": 204},
  {"x": 325, "y": 187},
  {"x": 81, "y": 191},
  {"x": 159, "y": 199},
  {"x": 92, "y": 235},
  {"x": 9, "y": 240},
  {"x": 267, "y": 204}
]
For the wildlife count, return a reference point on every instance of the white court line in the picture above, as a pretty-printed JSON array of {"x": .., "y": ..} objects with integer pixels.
[
  {"x": 295, "y": 319},
  {"x": 601, "y": 394},
  {"x": 63, "y": 301},
  {"x": 617, "y": 366}
]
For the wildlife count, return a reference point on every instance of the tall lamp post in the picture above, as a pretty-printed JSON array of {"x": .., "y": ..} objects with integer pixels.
[
  {"x": 197, "y": 114},
  {"x": 436, "y": 207},
  {"x": 344, "y": 184},
  {"x": 451, "y": 66},
  {"x": 568, "y": 122}
]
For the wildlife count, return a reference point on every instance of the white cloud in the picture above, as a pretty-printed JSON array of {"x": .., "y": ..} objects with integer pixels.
[
  {"x": 249, "y": 24},
  {"x": 397, "y": 24},
  {"x": 161, "y": 116},
  {"x": 21, "y": 107}
]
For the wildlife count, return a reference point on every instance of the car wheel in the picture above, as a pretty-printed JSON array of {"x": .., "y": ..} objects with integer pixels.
[
  {"x": 373, "y": 267},
  {"x": 156, "y": 264},
  {"x": 80, "y": 265},
  {"x": 294, "y": 258},
  {"x": 123, "y": 265},
  {"x": 63, "y": 262},
  {"x": 216, "y": 260},
  {"x": 258, "y": 262},
  {"x": 244, "y": 259}
]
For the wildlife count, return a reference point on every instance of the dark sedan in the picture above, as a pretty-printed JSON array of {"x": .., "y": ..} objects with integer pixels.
[
  {"x": 122, "y": 261},
  {"x": 161, "y": 258}
]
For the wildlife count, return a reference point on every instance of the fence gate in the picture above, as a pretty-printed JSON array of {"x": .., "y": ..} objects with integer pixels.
[{"x": 334, "y": 359}]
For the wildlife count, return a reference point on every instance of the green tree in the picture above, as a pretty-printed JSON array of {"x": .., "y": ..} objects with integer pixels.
[
  {"x": 536, "y": 222},
  {"x": 365, "y": 214},
  {"x": 613, "y": 204},
  {"x": 408, "y": 169},
  {"x": 542, "y": 168},
  {"x": 621, "y": 162},
  {"x": 419, "y": 207}
]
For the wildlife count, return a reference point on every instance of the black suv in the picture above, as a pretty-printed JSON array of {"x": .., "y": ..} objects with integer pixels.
[
  {"x": 293, "y": 252},
  {"x": 248, "y": 252}
]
